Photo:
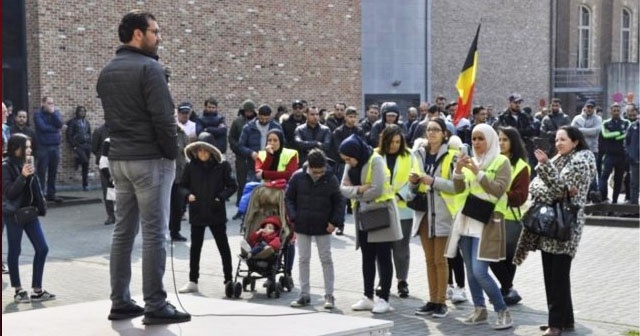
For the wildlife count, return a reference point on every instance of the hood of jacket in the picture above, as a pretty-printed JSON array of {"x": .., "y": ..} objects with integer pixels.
[{"x": 191, "y": 151}]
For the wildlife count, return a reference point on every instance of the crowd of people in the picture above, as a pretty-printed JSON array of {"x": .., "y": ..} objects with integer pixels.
[{"x": 474, "y": 177}]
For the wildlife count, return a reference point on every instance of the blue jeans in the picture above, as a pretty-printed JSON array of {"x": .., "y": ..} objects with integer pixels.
[
  {"x": 478, "y": 274},
  {"x": 143, "y": 190},
  {"x": 48, "y": 158},
  {"x": 39, "y": 243}
]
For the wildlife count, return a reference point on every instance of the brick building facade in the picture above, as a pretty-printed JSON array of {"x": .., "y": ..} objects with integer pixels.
[{"x": 269, "y": 51}]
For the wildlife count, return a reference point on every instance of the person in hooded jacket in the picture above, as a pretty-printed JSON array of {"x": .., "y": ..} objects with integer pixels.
[
  {"x": 390, "y": 116},
  {"x": 207, "y": 178}
]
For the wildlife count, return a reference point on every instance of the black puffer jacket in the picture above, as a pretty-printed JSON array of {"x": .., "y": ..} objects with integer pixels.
[
  {"x": 211, "y": 182},
  {"x": 312, "y": 205},
  {"x": 138, "y": 109}
]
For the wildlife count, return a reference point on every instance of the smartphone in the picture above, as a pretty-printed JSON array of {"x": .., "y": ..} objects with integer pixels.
[
  {"x": 29, "y": 160},
  {"x": 464, "y": 148}
]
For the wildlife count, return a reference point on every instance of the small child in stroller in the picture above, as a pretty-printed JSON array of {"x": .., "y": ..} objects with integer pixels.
[{"x": 266, "y": 238}]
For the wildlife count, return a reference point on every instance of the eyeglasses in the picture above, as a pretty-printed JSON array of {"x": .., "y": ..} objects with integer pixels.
[{"x": 433, "y": 130}]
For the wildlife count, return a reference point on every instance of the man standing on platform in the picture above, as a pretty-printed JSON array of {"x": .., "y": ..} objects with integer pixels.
[{"x": 139, "y": 113}]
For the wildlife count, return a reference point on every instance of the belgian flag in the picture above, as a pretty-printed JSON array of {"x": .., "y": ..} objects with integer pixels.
[{"x": 466, "y": 81}]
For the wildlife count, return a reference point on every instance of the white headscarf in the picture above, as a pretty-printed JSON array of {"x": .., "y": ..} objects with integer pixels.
[{"x": 493, "y": 148}]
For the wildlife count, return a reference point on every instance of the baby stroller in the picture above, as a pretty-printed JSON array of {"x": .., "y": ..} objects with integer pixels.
[{"x": 265, "y": 201}]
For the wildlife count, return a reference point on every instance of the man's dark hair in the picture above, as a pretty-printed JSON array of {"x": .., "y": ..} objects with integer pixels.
[
  {"x": 8, "y": 103},
  {"x": 316, "y": 158},
  {"x": 131, "y": 21},
  {"x": 477, "y": 109},
  {"x": 556, "y": 100},
  {"x": 434, "y": 109},
  {"x": 343, "y": 105},
  {"x": 373, "y": 106},
  {"x": 211, "y": 100},
  {"x": 43, "y": 100}
]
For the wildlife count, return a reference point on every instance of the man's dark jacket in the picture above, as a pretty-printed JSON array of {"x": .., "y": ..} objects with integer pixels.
[{"x": 138, "y": 108}]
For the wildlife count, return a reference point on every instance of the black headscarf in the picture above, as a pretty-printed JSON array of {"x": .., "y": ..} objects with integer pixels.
[
  {"x": 356, "y": 148},
  {"x": 276, "y": 154}
]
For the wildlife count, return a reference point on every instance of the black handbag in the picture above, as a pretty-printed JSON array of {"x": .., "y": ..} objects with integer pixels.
[
  {"x": 478, "y": 209},
  {"x": 26, "y": 215},
  {"x": 419, "y": 202},
  {"x": 555, "y": 221},
  {"x": 373, "y": 216}
]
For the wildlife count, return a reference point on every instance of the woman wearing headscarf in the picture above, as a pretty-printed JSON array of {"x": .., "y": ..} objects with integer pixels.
[
  {"x": 484, "y": 178},
  {"x": 571, "y": 170},
  {"x": 274, "y": 161},
  {"x": 366, "y": 180}
]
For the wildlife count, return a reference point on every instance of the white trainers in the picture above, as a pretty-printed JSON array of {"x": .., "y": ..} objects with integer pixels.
[
  {"x": 504, "y": 320},
  {"x": 364, "y": 304},
  {"x": 449, "y": 292},
  {"x": 458, "y": 295},
  {"x": 381, "y": 307},
  {"x": 190, "y": 287}
]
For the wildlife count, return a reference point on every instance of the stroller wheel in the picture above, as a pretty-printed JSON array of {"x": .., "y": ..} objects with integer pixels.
[
  {"x": 277, "y": 292},
  {"x": 237, "y": 290},
  {"x": 282, "y": 281},
  {"x": 245, "y": 282},
  {"x": 289, "y": 283},
  {"x": 228, "y": 289}
]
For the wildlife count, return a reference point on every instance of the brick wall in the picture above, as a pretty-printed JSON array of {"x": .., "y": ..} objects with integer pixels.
[{"x": 269, "y": 51}]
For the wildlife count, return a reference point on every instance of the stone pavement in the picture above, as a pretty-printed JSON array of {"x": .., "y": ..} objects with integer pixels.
[{"x": 605, "y": 277}]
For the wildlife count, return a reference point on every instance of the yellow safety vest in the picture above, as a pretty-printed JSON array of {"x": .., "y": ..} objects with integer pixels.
[
  {"x": 285, "y": 157},
  {"x": 387, "y": 190},
  {"x": 511, "y": 213},
  {"x": 404, "y": 165},
  {"x": 490, "y": 172},
  {"x": 454, "y": 202}
]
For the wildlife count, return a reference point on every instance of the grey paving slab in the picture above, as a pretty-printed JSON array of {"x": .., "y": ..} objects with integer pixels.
[{"x": 605, "y": 277}]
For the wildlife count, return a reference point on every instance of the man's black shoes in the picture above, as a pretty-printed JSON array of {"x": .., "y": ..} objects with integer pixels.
[
  {"x": 178, "y": 238},
  {"x": 131, "y": 310},
  {"x": 168, "y": 314}
]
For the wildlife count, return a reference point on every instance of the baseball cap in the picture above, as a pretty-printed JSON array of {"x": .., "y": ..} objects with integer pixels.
[
  {"x": 185, "y": 106},
  {"x": 590, "y": 102},
  {"x": 296, "y": 103},
  {"x": 515, "y": 97}
]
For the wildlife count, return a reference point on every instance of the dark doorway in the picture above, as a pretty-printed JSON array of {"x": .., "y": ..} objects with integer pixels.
[{"x": 14, "y": 54}]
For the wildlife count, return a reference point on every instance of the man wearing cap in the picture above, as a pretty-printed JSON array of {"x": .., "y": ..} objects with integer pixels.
[
  {"x": 614, "y": 131},
  {"x": 513, "y": 116},
  {"x": 590, "y": 125},
  {"x": 552, "y": 122},
  {"x": 188, "y": 126},
  {"x": 213, "y": 123},
  {"x": 254, "y": 138},
  {"x": 336, "y": 118},
  {"x": 390, "y": 115},
  {"x": 312, "y": 135},
  {"x": 289, "y": 126},
  {"x": 246, "y": 113}
]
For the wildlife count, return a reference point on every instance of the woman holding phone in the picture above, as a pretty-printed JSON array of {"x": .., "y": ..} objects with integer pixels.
[{"x": 20, "y": 188}]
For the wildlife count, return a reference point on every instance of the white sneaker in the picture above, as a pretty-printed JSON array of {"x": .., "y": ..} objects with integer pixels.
[
  {"x": 449, "y": 292},
  {"x": 364, "y": 304},
  {"x": 190, "y": 287},
  {"x": 381, "y": 307},
  {"x": 244, "y": 246},
  {"x": 459, "y": 295}
]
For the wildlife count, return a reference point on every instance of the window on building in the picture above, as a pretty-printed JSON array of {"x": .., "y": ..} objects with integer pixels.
[
  {"x": 625, "y": 34},
  {"x": 584, "y": 37}
]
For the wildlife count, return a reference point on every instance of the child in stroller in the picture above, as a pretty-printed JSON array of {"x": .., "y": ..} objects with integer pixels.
[
  {"x": 266, "y": 239},
  {"x": 266, "y": 206}
]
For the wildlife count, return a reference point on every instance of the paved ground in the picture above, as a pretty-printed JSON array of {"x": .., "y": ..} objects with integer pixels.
[{"x": 605, "y": 277}]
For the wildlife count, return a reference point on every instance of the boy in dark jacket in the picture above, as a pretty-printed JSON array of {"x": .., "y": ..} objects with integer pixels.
[
  {"x": 208, "y": 181},
  {"x": 315, "y": 207}
]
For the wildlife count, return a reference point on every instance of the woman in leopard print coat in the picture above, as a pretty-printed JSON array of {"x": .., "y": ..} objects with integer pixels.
[{"x": 572, "y": 169}]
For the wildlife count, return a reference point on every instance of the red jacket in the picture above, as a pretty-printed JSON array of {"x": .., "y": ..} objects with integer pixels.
[{"x": 272, "y": 239}]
